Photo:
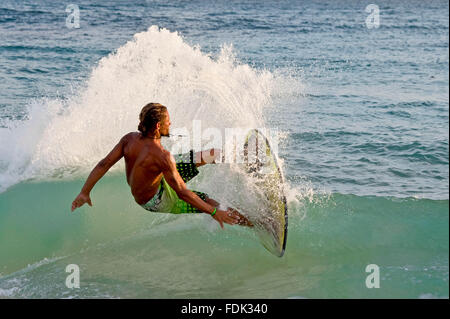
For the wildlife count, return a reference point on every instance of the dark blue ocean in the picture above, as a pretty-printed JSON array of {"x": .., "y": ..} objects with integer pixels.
[{"x": 362, "y": 120}]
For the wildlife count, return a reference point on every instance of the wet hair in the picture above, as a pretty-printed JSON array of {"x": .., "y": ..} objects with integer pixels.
[{"x": 150, "y": 115}]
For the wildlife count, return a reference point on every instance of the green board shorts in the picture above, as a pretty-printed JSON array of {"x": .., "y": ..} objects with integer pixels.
[{"x": 166, "y": 199}]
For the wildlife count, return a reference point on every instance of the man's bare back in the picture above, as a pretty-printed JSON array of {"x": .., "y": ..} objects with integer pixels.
[
  {"x": 143, "y": 165},
  {"x": 147, "y": 163}
]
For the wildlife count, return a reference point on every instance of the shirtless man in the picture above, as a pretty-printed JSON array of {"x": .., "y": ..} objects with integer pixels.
[{"x": 156, "y": 179}]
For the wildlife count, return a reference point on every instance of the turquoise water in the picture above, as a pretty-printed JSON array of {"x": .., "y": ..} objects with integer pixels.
[
  {"x": 362, "y": 122},
  {"x": 122, "y": 251}
]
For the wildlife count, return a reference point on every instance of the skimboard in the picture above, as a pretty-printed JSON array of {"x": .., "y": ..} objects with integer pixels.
[{"x": 261, "y": 164}]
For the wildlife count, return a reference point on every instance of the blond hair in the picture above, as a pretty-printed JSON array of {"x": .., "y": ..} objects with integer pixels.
[{"x": 150, "y": 115}]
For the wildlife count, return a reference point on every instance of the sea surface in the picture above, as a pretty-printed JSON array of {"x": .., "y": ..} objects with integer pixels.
[{"x": 360, "y": 113}]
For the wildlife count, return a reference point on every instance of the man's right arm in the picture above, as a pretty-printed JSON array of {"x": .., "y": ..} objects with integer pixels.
[
  {"x": 99, "y": 170},
  {"x": 175, "y": 181}
]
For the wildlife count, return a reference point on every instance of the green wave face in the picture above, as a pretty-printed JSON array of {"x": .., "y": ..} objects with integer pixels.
[{"x": 124, "y": 251}]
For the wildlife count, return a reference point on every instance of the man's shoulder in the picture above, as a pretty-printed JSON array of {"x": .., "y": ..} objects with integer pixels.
[
  {"x": 167, "y": 155},
  {"x": 130, "y": 135},
  {"x": 167, "y": 158}
]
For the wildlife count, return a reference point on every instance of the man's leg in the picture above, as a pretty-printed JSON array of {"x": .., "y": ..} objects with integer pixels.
[
  {"x": 206, "y": 157},
  {"x": 187, "y": 163},
  {"x": 187, "y": 171}
]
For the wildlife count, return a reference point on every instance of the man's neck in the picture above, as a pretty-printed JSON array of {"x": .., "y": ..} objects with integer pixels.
[{"x": 153, "y": 138}]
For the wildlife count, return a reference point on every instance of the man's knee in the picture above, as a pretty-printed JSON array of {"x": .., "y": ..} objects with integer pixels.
[{"x": 207, "y": 157}]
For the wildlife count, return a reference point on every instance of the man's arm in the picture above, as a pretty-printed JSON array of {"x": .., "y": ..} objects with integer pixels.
[
  {"x": 99, "y": 170},
  {"x": 175, "y": 181}
]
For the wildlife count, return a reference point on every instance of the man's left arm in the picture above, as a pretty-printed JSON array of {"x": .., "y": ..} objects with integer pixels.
[{"x": 99, "y": 170}]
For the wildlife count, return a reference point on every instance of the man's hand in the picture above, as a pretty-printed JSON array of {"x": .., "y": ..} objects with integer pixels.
[
  {"x": 81, "y": 200},
  {"x": 226, "y": 216},
  {"x": 242, "y": 220}
]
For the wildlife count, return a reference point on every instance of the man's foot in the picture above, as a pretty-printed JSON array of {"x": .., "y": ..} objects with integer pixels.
[{"x": 243, "y": 221}]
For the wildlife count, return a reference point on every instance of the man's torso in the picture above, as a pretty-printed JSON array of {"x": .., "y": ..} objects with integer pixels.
[{"x": 143, "y": 162}]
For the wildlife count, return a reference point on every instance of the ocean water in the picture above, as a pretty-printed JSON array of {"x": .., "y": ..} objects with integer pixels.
[{"x": 361, "y": 116}]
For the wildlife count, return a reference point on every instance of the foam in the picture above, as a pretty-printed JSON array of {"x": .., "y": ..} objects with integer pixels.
[{"x": 64, "y": 138}]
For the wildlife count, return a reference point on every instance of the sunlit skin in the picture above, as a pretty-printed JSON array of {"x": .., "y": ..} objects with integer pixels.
[{"x": 146, "y": 162}]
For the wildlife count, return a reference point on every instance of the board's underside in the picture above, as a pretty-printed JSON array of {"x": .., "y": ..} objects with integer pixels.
[{"x": 262, "y": 165}]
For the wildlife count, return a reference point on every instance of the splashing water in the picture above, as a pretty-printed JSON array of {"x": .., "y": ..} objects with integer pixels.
[{"x": 61, "y": 137}]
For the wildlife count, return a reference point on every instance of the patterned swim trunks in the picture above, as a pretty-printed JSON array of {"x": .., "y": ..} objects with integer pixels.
[{"x": 166, "y": 199}]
